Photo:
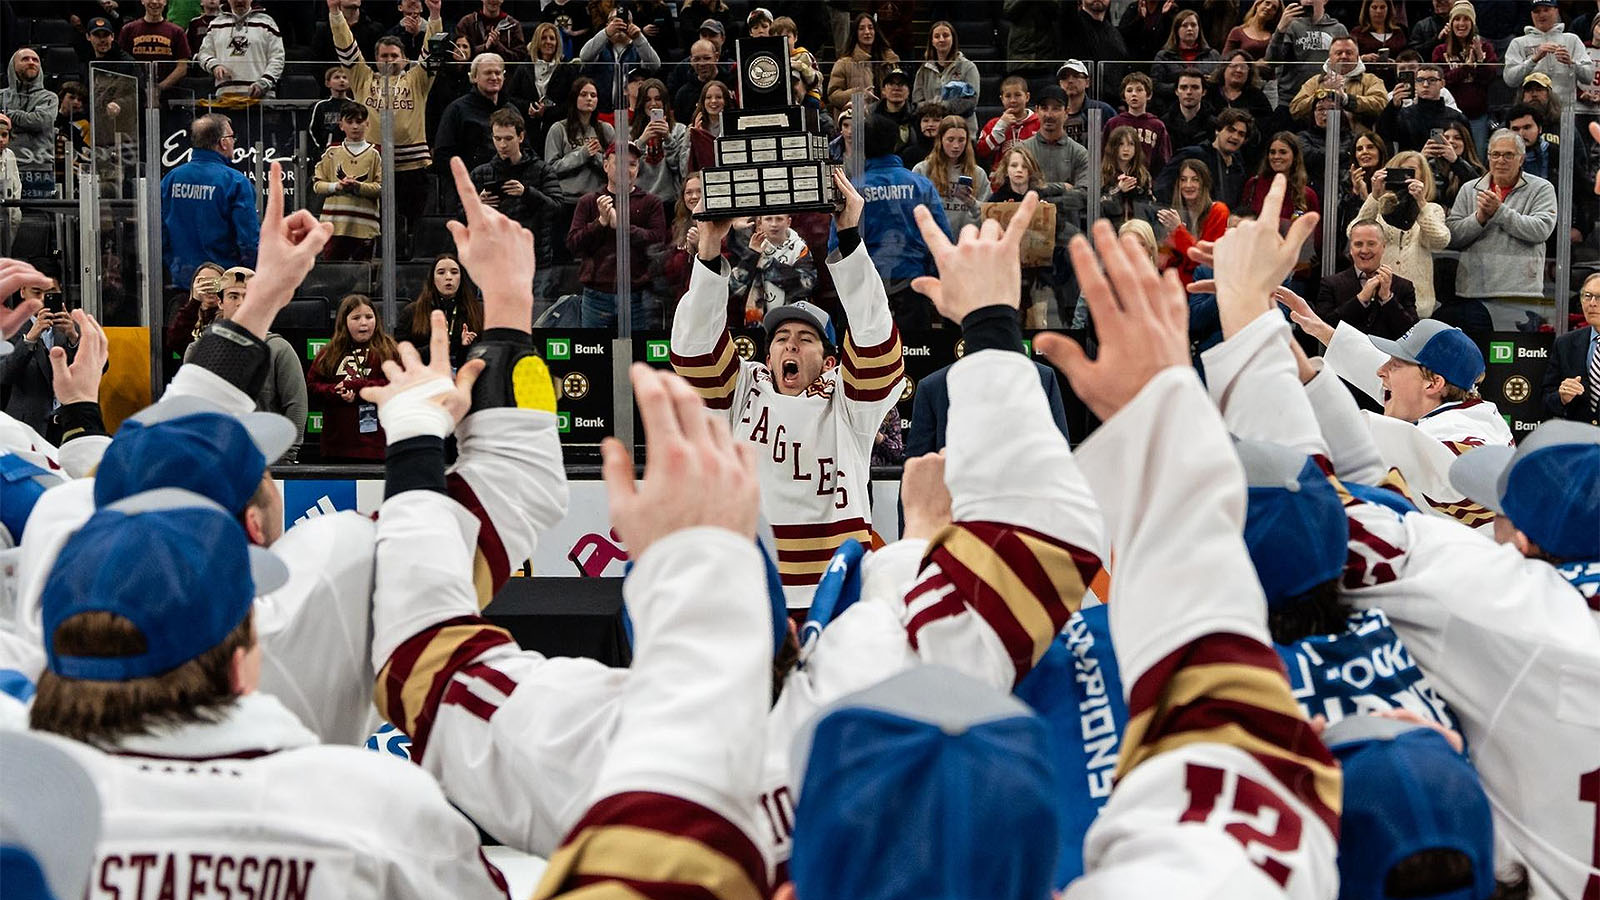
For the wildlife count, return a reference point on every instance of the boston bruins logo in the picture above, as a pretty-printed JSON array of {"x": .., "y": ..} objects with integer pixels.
[
  {"x": 745, "y": 347},
  {"x": 910, "y": 388},
  {"x": 575, "y": 386},
  {"x": 1517, "y": 389},
  {"x": 961, "y": 348}
]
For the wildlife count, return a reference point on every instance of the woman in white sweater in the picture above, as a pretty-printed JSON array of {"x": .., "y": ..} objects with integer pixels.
[{"x": 1413, "y": 225}]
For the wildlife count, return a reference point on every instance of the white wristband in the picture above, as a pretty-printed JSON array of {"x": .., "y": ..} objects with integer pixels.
[{"x": 412, "y": 412}]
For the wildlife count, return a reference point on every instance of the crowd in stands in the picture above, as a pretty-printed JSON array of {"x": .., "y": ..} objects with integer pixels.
[{"x": 1442, "y": 205}]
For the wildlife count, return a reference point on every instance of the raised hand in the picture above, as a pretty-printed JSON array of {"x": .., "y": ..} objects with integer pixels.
[
  {"x": 695, "y": 475},
  {"x": 850, "y": 215},
  {"x": 984, "y": 268},
  {"x": 289, "y": 248},
  {"x": 411, "y": 382},
  {"x": 80, "y": 381},
  {"x": 925, "y": 496},
  {"x": 710, "y": 233},
  {"x": 1253, "y": 258},
  {"x": 1142, "y": 317},
  {"x": 498, "y": 253},
  {"x": 14, "y": 276},
  {"x": 1301, "y": 313}
]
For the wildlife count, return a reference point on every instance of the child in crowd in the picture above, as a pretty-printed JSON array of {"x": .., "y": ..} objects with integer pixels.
[
  {"x": 1016, "y": 123},
  {"x": 777, "y": 269},
  {"x": 323, "y": 125},
  {"x": 958, "y": 178},
  {"x": 350, "y": 175},
  {"x": 1152, "y": 134},
  {"x": 1125, "y": 178},
  {"x": 352, "y": 360}
]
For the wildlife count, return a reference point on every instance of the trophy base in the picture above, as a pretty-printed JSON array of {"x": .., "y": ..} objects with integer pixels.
[{"x": 733, "y": 192}]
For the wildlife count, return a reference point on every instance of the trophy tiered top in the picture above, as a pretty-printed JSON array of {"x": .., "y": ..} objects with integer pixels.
[{"x": 771, "y": 157}]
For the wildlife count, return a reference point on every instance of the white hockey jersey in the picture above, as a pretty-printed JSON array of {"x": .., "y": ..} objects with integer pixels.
[
  {"x": 1421, "y": 451},
  {"x": 1508, "y": 642},
  {"x": 316, "y": 630},
  {"x": 816, "y": 448},
  {"x": 1223, "y": 789},
  {"x": 251, "y": 806}
]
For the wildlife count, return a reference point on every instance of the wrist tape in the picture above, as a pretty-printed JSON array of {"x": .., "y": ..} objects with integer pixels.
[{"x": 412, "y": 413}]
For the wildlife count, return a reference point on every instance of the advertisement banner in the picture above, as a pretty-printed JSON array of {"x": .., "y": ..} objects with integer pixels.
[
  {"x": 580, "y": 364},
  {"x": 1513, "y": 376}
]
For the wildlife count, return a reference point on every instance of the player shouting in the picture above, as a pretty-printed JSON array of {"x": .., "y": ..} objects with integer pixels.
[{"x": 812, "y": 413}]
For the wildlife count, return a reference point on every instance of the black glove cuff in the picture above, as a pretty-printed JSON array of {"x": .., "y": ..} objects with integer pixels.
[
  {"x": 82, "y": 419},
  {"x": 414, "y": 464},
  {"x": 849, "y": 240},
  {"x": 992, "y": 328},
  {"x": 235, "y": 355},
  {"x": 513, "y": 375}
]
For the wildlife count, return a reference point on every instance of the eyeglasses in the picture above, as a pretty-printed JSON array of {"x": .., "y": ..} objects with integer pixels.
[
  {"x": 1430, "y": 81},
  {"x": 1504, "y": 154},
  {"x": 1589, "y": 297}
]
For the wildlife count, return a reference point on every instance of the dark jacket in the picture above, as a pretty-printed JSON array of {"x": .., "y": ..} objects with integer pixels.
[
  {"x": 1336, "y": 302},
  {"x": 26, "y": 372},
  {"x": 596, "y": 244},
  {"x": 342, "y": 437},
  {"x": 1227, "y": 179},
  {"x": 1407, "y": 129},
  {"x": 930, "y": 410},
  {"x": 1569, "y": 358},
  {"x": 208, "y": 212},
  {"x": 1181, "y": 132},
  {"x": 464, "y": 130},
  {"x": 541, "y": 195},
  {"x": 522, "y": 85},
  {"x": 511, "y": 43}
]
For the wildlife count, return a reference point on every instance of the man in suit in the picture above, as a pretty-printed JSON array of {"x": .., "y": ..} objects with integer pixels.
[
  {"x": 1572, "y": 380},
  {"x": 26, "y": 370},
  {"x": 930, "y": 411},
  {"x": 1368, "y": 295}
]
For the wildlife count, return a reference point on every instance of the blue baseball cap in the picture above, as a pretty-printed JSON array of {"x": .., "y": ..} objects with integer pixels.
[
  {"x": 1295, "y": 525},
  {"x": 1406, "y": 790},
  {"x": 957, "y": 761},
  {"x": 50, "y": 821},
  {"x": 21, "y": 485},
  {"x": 800, "y": 311},
  {"x": 174, "y": 563},
  {"x": 1442, "y": 349},
  {"x": 185, "y": 442},
  {"x": 1548, "y": 486}
]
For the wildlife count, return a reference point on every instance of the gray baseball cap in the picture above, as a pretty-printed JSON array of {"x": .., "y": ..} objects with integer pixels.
[
  {"x": 1549, "y": 486},
  {"x": 800, "y": 311}
]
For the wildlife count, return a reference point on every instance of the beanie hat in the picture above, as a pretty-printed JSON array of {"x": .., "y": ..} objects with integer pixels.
[{"x": 1463, "y": 8}]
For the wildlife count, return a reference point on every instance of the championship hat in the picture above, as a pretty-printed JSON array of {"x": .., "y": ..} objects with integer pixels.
[
  {"x": 186, "y": 442},
  {"x": 175, "y": 564},
  {"x": 1406, "y": 790},
  {"x": 958, "y": 762},
  {"x": 21, "y": 485},
  {"x": 800, "y": 311},
  {"x": 1295, "y": 526},
  {"x": 1548, "y": 486},
  {"x": 49, "y": 822},
  {"x": 1442, "y": 349}
]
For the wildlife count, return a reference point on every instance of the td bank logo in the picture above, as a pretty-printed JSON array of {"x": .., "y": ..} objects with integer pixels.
[
  {"x": 563, "y": 423},
  {"x": 657, "y": 351},
  {"x": 1502, "y": 351},
  {"x": 557, "y": 348},
  {"x": 314, "y": 346}
]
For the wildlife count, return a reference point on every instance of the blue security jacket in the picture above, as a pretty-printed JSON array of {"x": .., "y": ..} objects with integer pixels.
[
  {"x": 891, "y": 192},
  {"x": 208, "y": 212}
]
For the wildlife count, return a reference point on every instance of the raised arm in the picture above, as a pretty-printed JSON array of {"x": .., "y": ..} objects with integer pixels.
[
  {"x": 873, "y": 370},
  {"x": 702, "y": 347}
]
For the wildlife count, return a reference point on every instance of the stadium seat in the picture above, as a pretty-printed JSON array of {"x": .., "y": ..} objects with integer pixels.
[
  {"x": 335, "y": 279},
  {"x": 409, "y": 278},
  {"x": 976, "y": 37},
  {"x": 61, "y": 64},
  {"x": 53, "y": 31},
  {"x": 432, "y": 238},
  {"x": 305, "y": 314},
  {"x": 299, "y": 87}
]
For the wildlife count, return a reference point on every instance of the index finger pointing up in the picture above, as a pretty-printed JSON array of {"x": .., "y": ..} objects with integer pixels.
[
  {"x": 1273, "y": 205},
  {"x": 274, "y": 212},
  {"x": 470, "y": 204},
  {"x": 938, "y": 242}
]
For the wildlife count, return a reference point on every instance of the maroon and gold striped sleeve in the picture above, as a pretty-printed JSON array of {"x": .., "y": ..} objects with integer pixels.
[
  {"x": 641, "y": 844},
  {"x": 1023, "y": 584},
  {"x": 871, "y": 373},
  {"x": 1229, "y": 689},
  {"x": 490, "y": 566},
  {"x": 416, "y": 678},
  {"x": 713, "y": 375}
]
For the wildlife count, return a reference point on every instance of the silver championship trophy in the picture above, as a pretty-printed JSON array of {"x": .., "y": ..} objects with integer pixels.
[{"x": 771, "y": 157}]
